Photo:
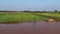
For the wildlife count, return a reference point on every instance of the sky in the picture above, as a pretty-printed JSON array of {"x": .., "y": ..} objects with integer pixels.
[{"x": 38, "y": 5}]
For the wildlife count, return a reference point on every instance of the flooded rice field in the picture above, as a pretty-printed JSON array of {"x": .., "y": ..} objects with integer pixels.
[{"x": 31, "y": 28}]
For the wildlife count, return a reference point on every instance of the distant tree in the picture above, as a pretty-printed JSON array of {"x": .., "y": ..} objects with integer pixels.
[
  {"x": 44, "y": 11},
  {"x": 27, "y": 11},
  {"x": 55, "y": 10},
  {"x": 59, "y": 11},
  {"x": 24, "y": 10}
]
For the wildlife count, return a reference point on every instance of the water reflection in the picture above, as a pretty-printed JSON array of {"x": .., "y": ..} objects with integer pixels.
[
  {"x": 51, "y": 22},
  {"x": 34, "y": 25},
  {"x": 31, "y": 28}
]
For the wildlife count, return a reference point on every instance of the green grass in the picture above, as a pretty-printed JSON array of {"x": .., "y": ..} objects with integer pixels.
[
  {"x": 19, "y": 17},
  {"x": 50, "y": 15},
  {"x": 26, "y": 16}
]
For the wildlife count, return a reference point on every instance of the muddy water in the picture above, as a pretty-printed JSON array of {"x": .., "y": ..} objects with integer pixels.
[{"x": 31, "y": 28}]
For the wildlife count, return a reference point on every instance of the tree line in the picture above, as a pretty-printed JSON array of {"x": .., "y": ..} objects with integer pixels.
[{"x": 31, "y": 11}]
